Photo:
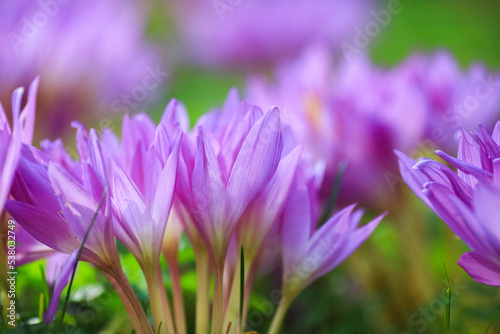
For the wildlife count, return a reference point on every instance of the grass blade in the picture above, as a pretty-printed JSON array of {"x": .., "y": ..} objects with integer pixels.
[
  {"x": 334, "y": 194},
  {"x": 103, "y": 196},
  {"x": 242, "y": 284},
  {"x": 448, "y": 301},
  {"x": 495, "y": 314}
]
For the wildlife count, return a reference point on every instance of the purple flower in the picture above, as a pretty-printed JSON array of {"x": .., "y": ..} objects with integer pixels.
[
  {"x": 11, "y": 138},
  {"x": 56, "y": 209},
  {"x": 233, "y": 33},
  {"x": 466, "y": 200},
  {"x": 91, "y": 56},
  {"x": 357, "y": 113},
  {"x": 238, "y": 150},
  {"x": 309, "y": 252}
]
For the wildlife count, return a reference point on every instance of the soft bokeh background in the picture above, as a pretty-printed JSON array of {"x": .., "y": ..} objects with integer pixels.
[{"x": 395, "y": 283}]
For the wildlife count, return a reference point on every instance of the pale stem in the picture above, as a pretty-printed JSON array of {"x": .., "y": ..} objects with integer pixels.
[
  {"x": 180, "y": 317},
  {"x": 160, "y": 307},
  {"x": 279, "y": 315},
  {"x": 218, "y": 301},
  {"x": 130, "y": 301},
  {"x": 202, "y": 292},
  {"x": 233, "y": 307}
]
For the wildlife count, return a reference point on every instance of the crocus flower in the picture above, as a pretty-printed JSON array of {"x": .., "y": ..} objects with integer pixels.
[
  {"x": 57, "y": 210},
  {"x": 356, "y": 113},
  {"x": 466, "y": 200},
  {"x": 11, "y": 138},
  {"x": 309, "y": 252},
  {"x": 239, "y": 33},
  {"x": 92, "y": 57},
  {"x": 238, "y": 149}
]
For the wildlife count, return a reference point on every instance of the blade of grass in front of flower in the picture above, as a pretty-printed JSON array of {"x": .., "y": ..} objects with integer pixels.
[
  {"x": 242, "y": 285},
  {"x": 334, "y": 194},
  {"x": 229, "y": 327},
  {"x": 159, "y": 326},
  {"x": 448, "y": 300},
  {"x": 41, "y": 307},
  {"x": 42, "y": 272},
  {"x": 80, "y": 252},
  {"x": 495, "y": 314}
]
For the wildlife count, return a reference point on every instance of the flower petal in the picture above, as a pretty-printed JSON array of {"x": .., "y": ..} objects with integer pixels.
[
  {"x": 256, "y": 162},
  {"x": 61, "y": 281},
  {"x": 481, "y": 268},
  {"x": 45, "y": 226}
]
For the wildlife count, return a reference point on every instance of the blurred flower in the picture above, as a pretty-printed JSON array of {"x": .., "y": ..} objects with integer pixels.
[
  {"x": 92, "y": 57},
  {"x": 355, "y": 113},
  {"x": 249, "y": 32},
  {"x": 467, "y": 200}
]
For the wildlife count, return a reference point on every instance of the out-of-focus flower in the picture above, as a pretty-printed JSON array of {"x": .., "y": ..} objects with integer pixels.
[
  {"x": 243, "y": 33},
  {"x": 91, "y": 55},
  {"x": 356, "y": 113},
  {"x": 467, "y": 200}
]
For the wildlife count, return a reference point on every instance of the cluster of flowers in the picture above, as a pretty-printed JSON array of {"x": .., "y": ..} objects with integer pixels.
[
  {"x": 233, "y": 183},
  {"x": 73, "y": 45},
  {"x": 355, "y": 112}
]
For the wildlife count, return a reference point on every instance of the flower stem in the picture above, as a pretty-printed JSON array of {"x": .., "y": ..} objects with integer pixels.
[
  {"x": 218, "y": 301},
  {"x": 130, "y": 301},
  {"x": 180, "y": 317},
  {"x": 279, "y": 315},
  {"x": 202, "y": 292},
  {"x": 160, "y": 307},
  {"x": 233, "y": 306}
]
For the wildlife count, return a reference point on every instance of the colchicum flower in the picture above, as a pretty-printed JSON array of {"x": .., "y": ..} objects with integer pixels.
[
  {"x": 355, "y": 113},
  {"x": 144, "y": 178},
  {"x": 83, "y": 66},
  {"x": 11, "y": 138},
  {"x": 467, "y": 200},
  {"x": 57, "y": 207},
  {"x": 242, "y": 33},
  {"x": 238, "y": 150},
  {"x": 309, "y": 252}
]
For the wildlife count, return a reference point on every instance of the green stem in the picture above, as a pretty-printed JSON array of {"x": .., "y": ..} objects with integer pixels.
[
  {"x": 160, "y": 307},
  {"x": 202, "y": 292},
  {"x": 279, "y": 315},
  {"x": 130, "y": 301}
]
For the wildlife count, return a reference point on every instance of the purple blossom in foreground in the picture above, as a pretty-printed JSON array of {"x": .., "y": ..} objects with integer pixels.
[
  {"x": 357, "y": 113},
  {"x": 468, "y": 200},
  {"x": 83, "y": 66},
  {"x": 242, "y": 33},
  {"x": 308, "y": 251},
  {"x": 11, "y": 138},
  {"x": 56, "y": 200}
]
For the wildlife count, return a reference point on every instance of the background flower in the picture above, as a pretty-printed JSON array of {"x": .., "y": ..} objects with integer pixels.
[{"x": 84, "y": 68}]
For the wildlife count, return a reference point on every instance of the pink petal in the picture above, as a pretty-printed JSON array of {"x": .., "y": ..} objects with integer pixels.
[{"x": 481, "y": 268}]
